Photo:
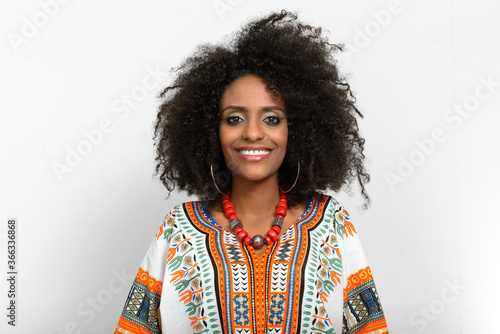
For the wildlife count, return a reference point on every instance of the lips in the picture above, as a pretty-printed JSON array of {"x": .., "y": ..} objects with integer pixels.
[{"x": 253, "y": 154}]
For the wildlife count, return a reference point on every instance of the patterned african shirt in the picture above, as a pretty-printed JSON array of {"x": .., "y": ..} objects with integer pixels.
[{"x": 197, "y": 278}]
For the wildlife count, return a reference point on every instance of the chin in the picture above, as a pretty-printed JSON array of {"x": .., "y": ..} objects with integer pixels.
[{"x": 255, "y": 177}]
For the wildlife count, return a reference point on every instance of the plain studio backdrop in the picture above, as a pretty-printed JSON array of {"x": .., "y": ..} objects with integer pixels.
[{"x": 79, "y": 81}]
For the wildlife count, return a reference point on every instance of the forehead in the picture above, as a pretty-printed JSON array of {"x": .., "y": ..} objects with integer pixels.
[{"x": 251, "y": 91}]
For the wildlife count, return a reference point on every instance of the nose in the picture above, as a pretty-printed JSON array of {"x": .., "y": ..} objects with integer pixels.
[{"x": 254, "y": 130}]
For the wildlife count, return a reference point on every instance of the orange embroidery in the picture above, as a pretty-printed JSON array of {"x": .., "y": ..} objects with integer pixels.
[
  {"x": 170, "y": 254},
  {"x": 377, "y": 327},
  {"x": 321, "y": 318},
  {"x": 126, "y": 326},
  {"x": 187, "y": 295},
  {"x": 172, "y": 251},
  {"x": 153, "y": 284},
  {"x": 180, "y": 274},
  {"x": 323, "y": 296},
  {"x": 334, "y": 276},
  {"x": 195, "y": 320},
  {"x": 335, "y": 249},
  {"x": 160, "y": 232},
  {"x": 349, "y": 229},
  {"x": 362, "y": 276}
]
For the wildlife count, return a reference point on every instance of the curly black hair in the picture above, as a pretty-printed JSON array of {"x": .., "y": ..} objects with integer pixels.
[{"x": 296, "y": 61}]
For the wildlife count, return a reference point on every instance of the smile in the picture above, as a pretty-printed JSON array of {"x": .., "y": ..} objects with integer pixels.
[
  {"x": 257, "y": 152},
  {"x": 253, "y": 155}
]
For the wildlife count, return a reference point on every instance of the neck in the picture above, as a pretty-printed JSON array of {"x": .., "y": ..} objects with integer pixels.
[{"x": 255, "y": 198}]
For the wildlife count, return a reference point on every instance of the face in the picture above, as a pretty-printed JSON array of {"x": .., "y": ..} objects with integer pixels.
[{"x": 253, "y": 130}]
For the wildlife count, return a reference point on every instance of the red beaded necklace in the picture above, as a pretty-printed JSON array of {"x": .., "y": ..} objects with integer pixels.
[{"x": 257, "y": 241}]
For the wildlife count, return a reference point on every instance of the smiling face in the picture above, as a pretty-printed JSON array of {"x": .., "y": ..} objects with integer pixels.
[{"x": 253, "y": 130}]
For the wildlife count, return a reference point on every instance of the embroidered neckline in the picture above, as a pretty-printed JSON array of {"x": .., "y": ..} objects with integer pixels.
[{"x": 206, "y": 214}]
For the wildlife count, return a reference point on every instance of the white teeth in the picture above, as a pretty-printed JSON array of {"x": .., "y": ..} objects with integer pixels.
[{"x": 258, "y": 152}]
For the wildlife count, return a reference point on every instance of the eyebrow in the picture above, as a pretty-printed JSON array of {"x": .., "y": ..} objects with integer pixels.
[{"x": 270, "y": 108}]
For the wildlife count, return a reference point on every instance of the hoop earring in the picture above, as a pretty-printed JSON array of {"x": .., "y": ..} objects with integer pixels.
[
  {"x": 296, "y": 178},
  {"x": 215, "y": 183}
]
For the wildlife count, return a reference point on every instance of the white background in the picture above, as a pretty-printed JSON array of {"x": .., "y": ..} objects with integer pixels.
[{"x": 430, "y": 235}]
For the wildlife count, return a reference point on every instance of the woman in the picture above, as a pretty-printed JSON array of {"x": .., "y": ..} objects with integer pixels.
[{"x": 255, "y": 129}]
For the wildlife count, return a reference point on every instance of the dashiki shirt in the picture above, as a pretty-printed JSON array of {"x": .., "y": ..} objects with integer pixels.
[{"x": 197, "y": 278}]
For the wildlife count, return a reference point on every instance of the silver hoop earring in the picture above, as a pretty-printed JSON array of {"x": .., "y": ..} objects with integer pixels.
[
  {"x": 296, "y": 178},
  {"x": 215, "y": 183}
]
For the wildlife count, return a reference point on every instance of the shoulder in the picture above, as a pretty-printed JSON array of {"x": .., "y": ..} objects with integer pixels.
[
  {"x": 183, "y": 209},
  {"x": 336, "y": 215},
  {"x": 331, "y": 203},
  {"x": 176, "y": 217}
]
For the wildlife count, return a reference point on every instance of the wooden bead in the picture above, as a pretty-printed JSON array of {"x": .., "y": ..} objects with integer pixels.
[
  {"x": 230, "y": 213},
  {"x": 241, "y": 235},
  {"x": 273, "y": 235},
  {"x": 247, "y": 241},
  {"x": 257, "y": 241},
  {"x": 280, "y": 211},
  {"x": 283, "y": 204}
]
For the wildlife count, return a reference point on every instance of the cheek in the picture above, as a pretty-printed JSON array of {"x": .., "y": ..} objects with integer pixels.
[
  {"x": 225, "y": 139},
  {"x": 282, "y": 139}
]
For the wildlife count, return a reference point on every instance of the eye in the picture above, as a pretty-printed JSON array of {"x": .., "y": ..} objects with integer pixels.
[
  {"x": 272, "y": 120},
  {"x": 233, "y": 120}
]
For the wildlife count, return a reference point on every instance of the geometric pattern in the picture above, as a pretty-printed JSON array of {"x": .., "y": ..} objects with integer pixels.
[
  {"x": 362, "y": 308},
  {"x": 279, "y": 282},
  {"x": 276, "y": 316},
  {"x": 240, "y": 277},
  {"x": 234, "y": 253},
  {"x": 259, "y": 293},
  {"x": 284, "y": 251},
  {"x": 328, "y": 275},
  {"x": 221, "y": 286},
  {"x": 141, "y": 308},
  {"x": 241, "y": 310}
]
